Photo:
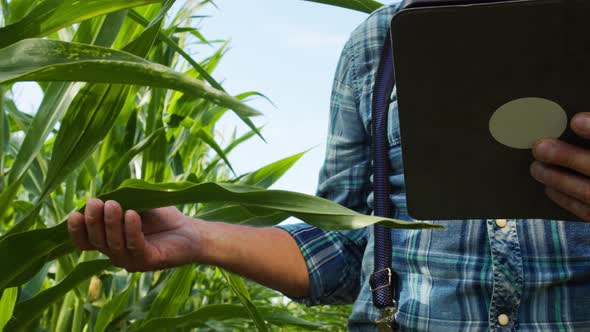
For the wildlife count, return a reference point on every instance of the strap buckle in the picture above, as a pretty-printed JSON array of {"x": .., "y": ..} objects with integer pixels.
[
  {"x": 387, "y": 321},
  {"x": 373, "y": 277},
  {"x": 383, "y": 279}
]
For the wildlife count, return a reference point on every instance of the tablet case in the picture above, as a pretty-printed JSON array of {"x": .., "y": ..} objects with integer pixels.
[{"x": 456, "y": 64}]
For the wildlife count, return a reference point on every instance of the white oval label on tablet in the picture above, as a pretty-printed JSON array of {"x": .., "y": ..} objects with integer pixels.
[{"x": 521, "y": 122}]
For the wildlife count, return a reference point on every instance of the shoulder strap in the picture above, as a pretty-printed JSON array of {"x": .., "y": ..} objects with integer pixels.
[{"x": 383, "y": 281}]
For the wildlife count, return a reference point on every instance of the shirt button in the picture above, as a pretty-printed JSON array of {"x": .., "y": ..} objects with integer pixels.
[
  {"x": 501, "y": 222},
  {"x": 503, "y": 319}
]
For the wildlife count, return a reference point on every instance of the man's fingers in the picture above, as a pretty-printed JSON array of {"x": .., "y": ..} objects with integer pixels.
[
  {"x": 135, "y": 240},
  {"x": 569, "y": 184},
  {"x": 113, "y": 221},
  {"x": 569, "y": 203},
  {"x": 77, "y": 230},
  {"x": 94, "y": 218},
  {"x": 559, "y": 153},
  {"x": 580, "y": 124}
]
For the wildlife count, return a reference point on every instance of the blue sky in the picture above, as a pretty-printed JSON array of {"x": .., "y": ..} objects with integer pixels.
[{"x": 288, "y": 50}]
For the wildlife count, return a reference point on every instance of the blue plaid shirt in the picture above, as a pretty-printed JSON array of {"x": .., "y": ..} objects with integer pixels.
[{"x": 536, "y": 273}]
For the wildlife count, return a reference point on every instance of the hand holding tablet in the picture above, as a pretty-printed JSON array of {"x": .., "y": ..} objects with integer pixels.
[
  {"x": 569, "y": 190},
  {"x": 477, "y": 84}
]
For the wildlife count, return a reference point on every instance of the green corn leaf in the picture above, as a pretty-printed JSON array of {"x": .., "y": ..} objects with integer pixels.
[
  {"x": 131, "y": 153},
  {"x": 242, "y": 215},
  {"x": 263, "y": 178},
  {"x": 22, "y": 253},
  {"x": 50, "y": 244},
  {"x": 100, "y": 31},
  {"x": 15, "y": 10},
  {"x": 221, "y": 312},
  {"x": 33, "y": 286},
  {"x": 52, "y": 15},
  {"x": 94, "y": 112},
  {"x": 284, "y": 318},
  {"x": 202, "y": 72},
  {"x": 212, "y": 62},
  {"x": 194, "y": 32},
  {"x": 28, "y": 310},
  {"x": 173, "y": 45},
  {"x": 209, "y": 140},
  {"x": 268, "y": 175},
  {"x": 237, "y": 141},
  {"x": 154, "y": 157},
  {"x": 113, "y": 308},
  {"x": 144, "y": 43},
  {"x": 174, "y": 294},
  {"x": 234, "y": 213},
  {"x": 365, "y": 6},
  {"x": 89, "y": 118},
  {"x": 4, "y": 136},
  {"x": 239, "y": 288},
  {"x": 7, "y": 303},
  {"x": 234, "y": 143},
  {"x": 50, "y": 60},
  {"x": 57, "y": 99},
  {"x": 139, "y": 195},
  {"x": 8, "y": 195}
]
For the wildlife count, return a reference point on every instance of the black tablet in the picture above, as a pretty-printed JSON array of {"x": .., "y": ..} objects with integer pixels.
[{"x": 477, "y": 83}]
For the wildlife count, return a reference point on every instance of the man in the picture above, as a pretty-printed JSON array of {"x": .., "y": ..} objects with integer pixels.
[{"x": 502, "y": 275}]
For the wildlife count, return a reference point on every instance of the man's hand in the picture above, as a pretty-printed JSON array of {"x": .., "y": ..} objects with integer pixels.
[
  {"x": 164, "y": 238},
  {"x": 156, "y": 239},
  {"x": 570, "y": 191}
]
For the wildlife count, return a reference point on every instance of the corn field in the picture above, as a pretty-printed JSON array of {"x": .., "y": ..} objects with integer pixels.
[{"x": 127, "y": 114}]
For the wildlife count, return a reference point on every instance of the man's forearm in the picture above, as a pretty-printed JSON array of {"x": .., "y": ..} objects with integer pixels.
[{"x": 269, "y": 256}]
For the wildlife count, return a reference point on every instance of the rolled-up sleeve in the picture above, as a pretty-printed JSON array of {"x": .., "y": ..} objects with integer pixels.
[{"x": 334, "y": 258}]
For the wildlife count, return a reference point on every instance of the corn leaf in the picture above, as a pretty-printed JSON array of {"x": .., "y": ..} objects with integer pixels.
[
  {"x": 49, "y": 244},
  {"x": 57, "y": 98},
  {"x": 50, "y": 60},
  {"x": 221, "y": 312},
  {"x": 365, "y": 6},
  {"x": 7, "y": 303},
  {"x": 268, "y": 175},
  {"x": 15, "y": 10},
  {"x": 172, "y": 297},
  {"x": 242, "y": 215},
  {"x": 203, "y": 135},
  {"x": 234, "y": 143},
  {"x": 29, "y": 310},
  {"x": 131, "y": 153},
  {"x": 284, "y": 318},
  {"x": 262, "y": 178},
  {"x": 173, "y": 45},
  {"x": 202, "y": 72},
  {"x": 139, "y": 195},
  {"x": 154, "y": 159},
  {"x": 94, "y": 112},
  {"x": 239, "y": 287},
  {"x": 114, "y": 307},
  {"x": 22, "y": 253},
  {"x": 89, "y": 118},
  {"x": 52, "y": 15},
  {"x": 4, "y": 136}
]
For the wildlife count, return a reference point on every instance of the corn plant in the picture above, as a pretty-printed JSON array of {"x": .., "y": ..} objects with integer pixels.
[{"x": 128, "y": 114}]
